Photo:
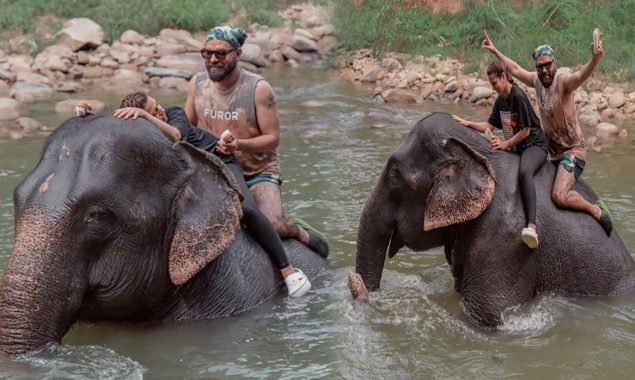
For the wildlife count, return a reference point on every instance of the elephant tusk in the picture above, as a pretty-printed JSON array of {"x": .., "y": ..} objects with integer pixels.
[{"x": 357, "y": 287}]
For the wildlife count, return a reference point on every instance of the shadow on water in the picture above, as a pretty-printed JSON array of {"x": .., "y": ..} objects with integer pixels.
[{"x": 335, "y": 142}]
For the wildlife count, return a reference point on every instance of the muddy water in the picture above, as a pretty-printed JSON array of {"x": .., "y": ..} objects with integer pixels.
[{"x": 332, "y": 152}]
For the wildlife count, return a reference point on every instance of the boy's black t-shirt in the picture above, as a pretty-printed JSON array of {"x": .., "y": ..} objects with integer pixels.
[{"x": 514, "y": 112}]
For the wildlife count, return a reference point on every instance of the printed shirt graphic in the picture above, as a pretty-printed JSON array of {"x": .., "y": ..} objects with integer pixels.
[
  {"x": 514, "y": 112},
  {"x": 234, "y": 110}
]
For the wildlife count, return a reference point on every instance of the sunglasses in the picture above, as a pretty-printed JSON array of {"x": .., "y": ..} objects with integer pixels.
[
  {"x": 544, "y": 66},
  {"x": 220, "y": 54}
]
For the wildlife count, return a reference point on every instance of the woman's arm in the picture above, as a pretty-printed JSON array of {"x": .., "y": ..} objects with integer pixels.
[
  {"x": 513, "y": 141},
  {"x": 480, "y": 126},
  {"x": 132, "y": 112}
]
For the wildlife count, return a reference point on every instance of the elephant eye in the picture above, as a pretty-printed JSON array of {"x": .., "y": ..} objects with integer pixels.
[{"x": 97, "y": 215}]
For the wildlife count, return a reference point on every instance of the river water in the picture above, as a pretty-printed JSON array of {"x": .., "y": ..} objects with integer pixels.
[{"x": 332, "y": 152}]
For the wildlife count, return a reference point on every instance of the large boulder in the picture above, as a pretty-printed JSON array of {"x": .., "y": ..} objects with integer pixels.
[
  {"x": 616, "y": 100},
  {"x": 80, "y": 33},
  {"x": 395, "y": 95},
  {"x": 131, "y": 37},
  {"x": 302, "y": 44},
  {"x": 480, "y": 93},
  {"x": 606, "y": 131}
]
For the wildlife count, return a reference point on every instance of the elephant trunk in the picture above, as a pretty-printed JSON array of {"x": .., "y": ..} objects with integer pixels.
[
  {"x": 34, "y": 291},
  {"x": 373, "y": 236}
]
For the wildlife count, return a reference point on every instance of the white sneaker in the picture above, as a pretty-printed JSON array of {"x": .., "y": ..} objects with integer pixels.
[
  {"x": 529, "y": 237},
  {"x": 297, "y": 283}
]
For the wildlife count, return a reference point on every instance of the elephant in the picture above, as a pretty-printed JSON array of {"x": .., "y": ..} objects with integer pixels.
[
  {"x": 115, "y": 223},
  {"x": 445, "y": 186}
]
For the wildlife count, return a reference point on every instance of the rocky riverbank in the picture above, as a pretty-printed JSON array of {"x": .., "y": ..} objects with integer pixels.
[
  {"x": 80, "y": 58},
  {"x": 405, "y": 79}
]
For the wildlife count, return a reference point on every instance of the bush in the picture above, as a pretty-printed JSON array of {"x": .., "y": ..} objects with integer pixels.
[{"x": 402, "y": 26}]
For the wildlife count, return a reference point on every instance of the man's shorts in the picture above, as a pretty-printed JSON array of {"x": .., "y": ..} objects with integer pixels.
[
  {"x": 572, "y": 164},
  {"x": 263, "y": 177}
]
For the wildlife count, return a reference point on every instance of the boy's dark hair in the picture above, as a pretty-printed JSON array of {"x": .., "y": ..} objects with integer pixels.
[
  {"x": 499, "y": 68},
  {"x": 135, "y": 99}
]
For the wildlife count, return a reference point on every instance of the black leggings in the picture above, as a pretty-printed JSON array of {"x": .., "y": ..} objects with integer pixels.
[
  {"x": 531, "y": 160},
  {"x": 259, "y": 227}
]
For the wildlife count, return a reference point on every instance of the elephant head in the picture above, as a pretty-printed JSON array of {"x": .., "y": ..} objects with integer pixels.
[
  {"x": 437, "y": 178},
  {"x": 112, "y": 215}
]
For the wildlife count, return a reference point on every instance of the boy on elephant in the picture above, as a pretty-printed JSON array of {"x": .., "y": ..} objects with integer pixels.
[
  {"x": 555, "y": 95},
  {"x": 514, "y": 114},
  {"x": 173, "y": 123}
]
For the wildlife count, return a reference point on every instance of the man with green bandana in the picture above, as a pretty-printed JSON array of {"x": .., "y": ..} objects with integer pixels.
[
  {"x": 555, "y": 96},
  {"x": 227, "y": 97}
]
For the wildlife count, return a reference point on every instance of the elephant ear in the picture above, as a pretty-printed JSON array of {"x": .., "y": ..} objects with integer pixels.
[
  {"x": 208, "y": 213},
  {"x": 463, "y": 187}
]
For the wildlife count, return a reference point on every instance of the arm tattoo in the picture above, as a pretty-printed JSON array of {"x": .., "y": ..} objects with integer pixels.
[{"x": 271, "y": 99}]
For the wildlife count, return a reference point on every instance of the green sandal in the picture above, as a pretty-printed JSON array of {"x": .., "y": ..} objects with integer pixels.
[
  {"x": 317, "y": 241},
  {"x": 606, "y": 220}
]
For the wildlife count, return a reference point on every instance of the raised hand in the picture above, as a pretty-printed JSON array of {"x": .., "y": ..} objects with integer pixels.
[{"x": 487, "y": 42}]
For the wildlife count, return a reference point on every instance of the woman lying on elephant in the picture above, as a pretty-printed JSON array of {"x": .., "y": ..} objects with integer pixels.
[
  {"x": 174, "y": 124},
  {"x": 514, "y": 114}
]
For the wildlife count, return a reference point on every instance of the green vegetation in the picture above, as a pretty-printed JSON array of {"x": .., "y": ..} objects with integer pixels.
[
  {"x": 402, "y": 26},
  {"x": 117, "y": 16}
]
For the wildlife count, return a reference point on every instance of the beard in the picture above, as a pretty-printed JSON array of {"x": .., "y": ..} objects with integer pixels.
[
  {"x": 219, "y": 76},
  {"x": 546, "y": 79}
]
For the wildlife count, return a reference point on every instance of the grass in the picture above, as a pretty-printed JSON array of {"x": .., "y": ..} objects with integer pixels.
[
  {"x": 117, "y": 16},
  {"x": 398, "y": 25}
]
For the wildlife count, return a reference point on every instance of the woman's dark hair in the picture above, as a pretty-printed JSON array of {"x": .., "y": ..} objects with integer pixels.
[
  {"x": 499, "y": 69},
  {"x": 135, "y": 99}
]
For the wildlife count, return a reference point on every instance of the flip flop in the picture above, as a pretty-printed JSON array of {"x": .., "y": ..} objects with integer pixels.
[{"x": 317, "y": 241}]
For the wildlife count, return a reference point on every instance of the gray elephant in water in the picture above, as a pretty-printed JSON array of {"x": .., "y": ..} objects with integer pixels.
[
  {"x": 445, "y": 186},
  {"x": 117, "y": 224}
]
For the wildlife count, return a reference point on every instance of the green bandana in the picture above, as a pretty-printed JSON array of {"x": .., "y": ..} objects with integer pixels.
[
  {"x": 543, "y": 50},
  {"x": 233, "y": 36}
]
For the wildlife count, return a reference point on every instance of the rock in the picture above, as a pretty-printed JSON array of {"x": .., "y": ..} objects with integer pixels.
[
  {"x": 167, "y": 48},
  {"x": 293, "y": 63},
  {"x": 616, "y": 100},
  {"x": 623, "y": 134},
  {"x": 5, "y": 89},
  {"x": 276, "y": 57},
  {"x": 80, "y": 33},
  {"x": 290, "y": 53},
  {"x": 323, "y": 30},
  {"x": 395, "y": 95},
  {"x": 391, "y": 64},
  {"x": 629, "y": 108},
  {"x": 373, "y": 75},
  {"x": 631, "y": 97},
  {"x": 606, "y": 131},
  {"x": 66, "y": 106},
  {"x": 249, "y": 67},
  {"x": 305, "y": 33},
  {"x": 92, "y": 72},
  {"x": 22, "y": 44},
  {"x": 252, "y": 53},
  {"x": 607, "y": 113},
  {"x": 163, "y": 73},
  {"x": 31, "y": 77},
  {"x": 191, "y": 62},
  {"x": 68, "y": 87},
  {"x": 26, "y": 126},
  {"x": 173, "y": 83},
  {"x": 589, "y": 119},
  {"x": 8, "y": 109},
  {"x": 314, "y": 103},
  {"x": 109, "y": 63},
  {"x": 7, "y": 75},
  {"x": 26, "y": 92},
  {"x": 411, "y": 77},
  {"x": 120, "y": 56},
  {"x": 131, "y": 37},
  {"x": 175, "y": 34},
  {"x": 56, "y": 63},
  {"x": 480, "y": 93},
  {"x": 593, "y": 143},
  {"x": 19, "y": 63},
  {"x": 451, "y": 87},
  {"x": 302, "y": 44}
]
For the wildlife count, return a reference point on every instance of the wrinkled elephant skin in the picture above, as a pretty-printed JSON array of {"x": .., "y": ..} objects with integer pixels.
[
  {"x": 117, "y": 224},
  {"x": 445, "y": 186}
]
